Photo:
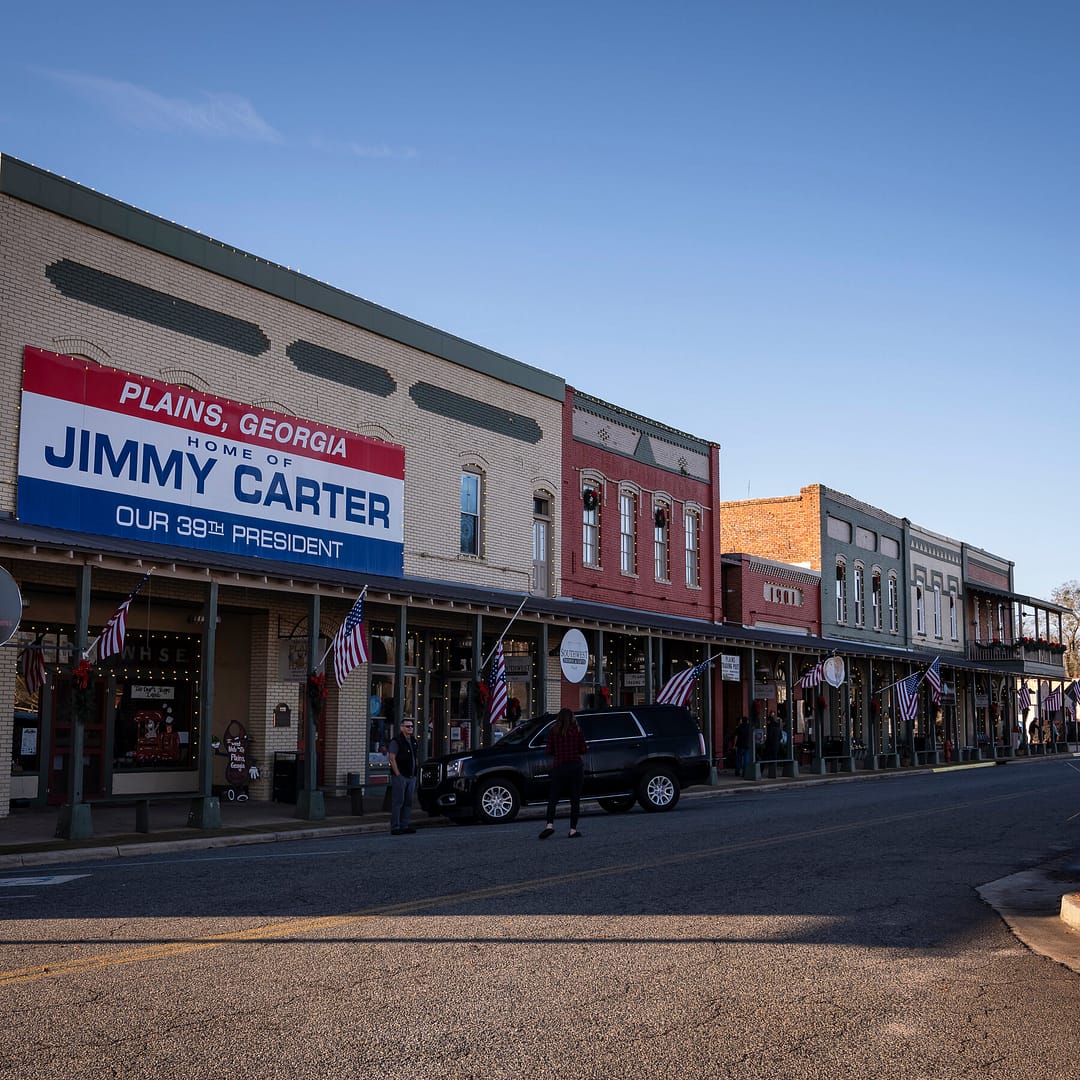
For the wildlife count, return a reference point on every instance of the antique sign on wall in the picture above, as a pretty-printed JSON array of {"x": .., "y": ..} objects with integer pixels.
[{"x": 107, "y": 452}]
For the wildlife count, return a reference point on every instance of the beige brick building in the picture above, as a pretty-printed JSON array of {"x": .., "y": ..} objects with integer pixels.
[{"x": 85, "y": 276}]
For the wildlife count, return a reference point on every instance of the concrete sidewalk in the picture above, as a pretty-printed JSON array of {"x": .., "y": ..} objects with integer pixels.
[{"x": 28, "y": 834}]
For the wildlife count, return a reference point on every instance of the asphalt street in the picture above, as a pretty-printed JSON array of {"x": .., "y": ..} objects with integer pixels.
[{"x": 819, "y": 931}]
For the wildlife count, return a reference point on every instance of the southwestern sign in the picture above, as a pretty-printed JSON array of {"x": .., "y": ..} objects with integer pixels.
[{"x": 106, "y": 452}]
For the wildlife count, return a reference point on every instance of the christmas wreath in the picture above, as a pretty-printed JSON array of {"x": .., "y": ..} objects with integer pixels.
[
  {"x": 316, "y": 691},
  {"x": 82, "y": 693},
  {"x": 590, "y": 498},
  {"x": 660, "y": 517}
]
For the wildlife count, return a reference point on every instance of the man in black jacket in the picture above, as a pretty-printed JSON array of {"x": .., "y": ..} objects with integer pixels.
[{"x": 404, "y": 755}]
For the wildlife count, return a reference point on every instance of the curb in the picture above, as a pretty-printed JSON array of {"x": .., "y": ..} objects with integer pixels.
[
  {"x": 1070, "y": 910},
  {"x": 380, "y": 823}
]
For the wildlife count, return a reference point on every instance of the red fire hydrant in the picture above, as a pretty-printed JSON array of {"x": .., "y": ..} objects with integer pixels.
[{"x": 948, "y": 751}]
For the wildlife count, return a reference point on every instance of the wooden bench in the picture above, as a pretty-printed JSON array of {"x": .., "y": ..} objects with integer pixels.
[{"x": 788, "y": 767}]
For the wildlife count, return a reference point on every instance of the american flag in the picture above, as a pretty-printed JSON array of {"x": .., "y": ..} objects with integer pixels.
[
  {"x": 1074, "y": 691},
  {"x": 676, "y": 691},
  {"x": 1052, "y": 701},
  {"x": 933, "y": 677},
  {"x": 814, "y": 676},
  {"x": 350, "y": 648},
  {"x": 1023, "y": 698},
  {"x": 499, "y": 698},
  {"x": 907, "y": 692},
  {"x": 32, "y": 666},
  {"x": 111, "y": 640}
]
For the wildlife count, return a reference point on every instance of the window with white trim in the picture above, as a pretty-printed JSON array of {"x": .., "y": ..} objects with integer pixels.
[
  {"x": 471, "y": 491},
  {"x": 953, "y": 628},
  {"x": 1001, "y": 622},
  {"x": 875, "y": 596},
  {"x": 894, "y": 604},
  {"x": 937, "y": 610},
  {"x": 628, "y": 516},
  {"x": 860, "y": 594},
  {"x": 590, "y": 523},
  {"x": 920, "y": 609},
  {"x": 661, "y": 541},
  {"x": 841, "y": 591},
  {"x": 692, "y": 529}
]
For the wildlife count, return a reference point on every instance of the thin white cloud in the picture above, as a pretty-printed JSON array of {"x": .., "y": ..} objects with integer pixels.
[
  {"x": 350, "y": 148},
  {"x": 216, "y": 116}
]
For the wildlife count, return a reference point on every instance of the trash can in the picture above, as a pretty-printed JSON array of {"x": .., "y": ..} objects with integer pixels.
[
  {"x": 356, "y": 792},
  {"x": 286, "y": 777}
]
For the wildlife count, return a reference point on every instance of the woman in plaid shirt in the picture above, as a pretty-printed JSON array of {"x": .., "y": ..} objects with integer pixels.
[{"x": 567, "y": 748}]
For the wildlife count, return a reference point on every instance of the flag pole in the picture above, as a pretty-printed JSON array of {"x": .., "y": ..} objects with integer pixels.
[
  {"x": 506, "y": 630},
  {"x": 363, "y": 593},
  {"x": 131, "y": 596}
]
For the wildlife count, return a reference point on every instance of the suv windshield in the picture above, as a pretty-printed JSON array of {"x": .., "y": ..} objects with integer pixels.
[{"x": 521, "y": 735}]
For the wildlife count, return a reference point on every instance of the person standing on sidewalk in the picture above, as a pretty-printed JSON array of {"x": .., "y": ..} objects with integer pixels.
[
  {"x": 744, "y": 741},
  {"x": 404, "y": 755},
  {"x": 567, "y": 747}
]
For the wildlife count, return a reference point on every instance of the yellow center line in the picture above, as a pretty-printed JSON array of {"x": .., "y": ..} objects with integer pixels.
[{"x": 295, "y": 928}]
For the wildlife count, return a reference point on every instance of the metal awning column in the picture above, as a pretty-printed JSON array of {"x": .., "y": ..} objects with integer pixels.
[
  {"x": 75, "y": 821},
  {"x": 310, "y": 804},
  {"x": 205, "y": 812}
]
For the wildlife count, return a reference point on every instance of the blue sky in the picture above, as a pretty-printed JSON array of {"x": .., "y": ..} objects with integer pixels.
[{"x": 838, "y": 239}]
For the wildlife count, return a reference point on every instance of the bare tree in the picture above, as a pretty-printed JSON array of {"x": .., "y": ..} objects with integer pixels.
[{"x": 1068, "y": 595}]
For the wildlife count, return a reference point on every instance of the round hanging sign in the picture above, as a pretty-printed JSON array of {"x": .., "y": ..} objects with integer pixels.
[
  {"x": 574, "y": 655},
  {"x": 833, "y": 671},
  {"x": 10, "y": 607}
]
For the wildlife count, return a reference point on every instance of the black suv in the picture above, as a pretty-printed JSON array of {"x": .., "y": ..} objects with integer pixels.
[{"x": 642, "y": 753}]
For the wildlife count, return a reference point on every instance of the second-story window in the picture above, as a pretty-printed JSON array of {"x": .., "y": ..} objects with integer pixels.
[
  {"x": 875, "y": 597},
  {"x": 661, "y": 541},
  {"x": 590, "y": 524},
  {"x": 860, "y": 595},
  {"x": 978, "y": 622},
  {"x": 470, "y": 513},
  {"x": 952, "y": 616},
  {"x": 628, "y": 532},
  {"x": 920, "y": 609},
  {"x": 692, "y": 527},
  {"x": 937, "y": 611},
  {"x": 1001, "y": 622},
  {"x": 841, "y": 591},
  {"x": 894, "y": 604}
]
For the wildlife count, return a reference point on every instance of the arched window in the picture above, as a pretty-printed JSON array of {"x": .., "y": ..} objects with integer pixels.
[
  {"x": 920, "y": 609},
  {"x": 952, "y": 616},
  {"x": 592, "y": 496},
  {"x": 692, "y": 530},
  {"x": 875, "y": 597},
  {"x": 860, "y": 594},
  {"x": 662, "y": 540},
  {"x": 937, "y": 610},
  {"x": 471, "y": 503},
  {"x": 841, "y": 591},
  {"x": 628, "y": 521},
  {"x": 894, "y": 604}
]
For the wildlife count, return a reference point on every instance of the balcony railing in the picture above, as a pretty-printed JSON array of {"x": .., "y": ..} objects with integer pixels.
[
  {"x": 1032, "y": 653},
  {"x": 993, "y": 651}
]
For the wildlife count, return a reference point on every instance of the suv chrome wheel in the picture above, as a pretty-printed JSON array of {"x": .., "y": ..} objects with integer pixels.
[
  {"x": 658, "y": 790},
  {"x": 497, "y": 801}
]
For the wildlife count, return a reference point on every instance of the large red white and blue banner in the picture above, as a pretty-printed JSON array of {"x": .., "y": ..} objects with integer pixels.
[{"x": 109, "y": 453}]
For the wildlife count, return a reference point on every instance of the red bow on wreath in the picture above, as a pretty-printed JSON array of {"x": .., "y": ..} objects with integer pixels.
[{"x": 82, "y": 674}]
